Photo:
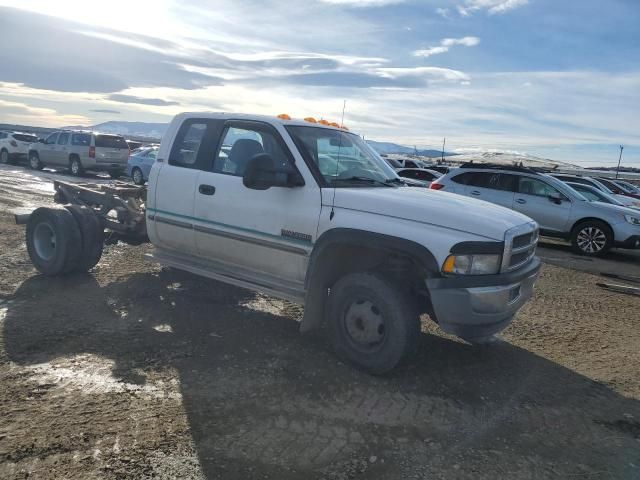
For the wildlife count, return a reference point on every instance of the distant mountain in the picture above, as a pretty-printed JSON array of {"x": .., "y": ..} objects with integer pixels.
[
  {"x": 130, "y": 129},
  {"x": 388, "y": 147}
]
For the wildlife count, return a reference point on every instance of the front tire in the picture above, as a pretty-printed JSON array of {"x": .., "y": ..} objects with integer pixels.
[
  {"x": 137, "y": 176},
  {"x": 592, "y": 238},
  {"x": 373, "y": 323},
  {"x": 34, "y": 162},
  {"x": 53, "y": 241}
]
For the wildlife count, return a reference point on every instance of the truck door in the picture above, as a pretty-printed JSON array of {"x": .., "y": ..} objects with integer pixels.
[
  {"x": 265, "y": 231},
  {"x": 172, "y": 211}
]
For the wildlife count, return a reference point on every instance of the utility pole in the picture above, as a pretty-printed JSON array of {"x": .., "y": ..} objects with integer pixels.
[
  {"x": 619, "y": 160},
  {"x": 444, "y": 142}
]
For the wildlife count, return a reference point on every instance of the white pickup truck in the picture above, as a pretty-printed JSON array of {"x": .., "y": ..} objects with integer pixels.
[{"x": 309, "y": 213}]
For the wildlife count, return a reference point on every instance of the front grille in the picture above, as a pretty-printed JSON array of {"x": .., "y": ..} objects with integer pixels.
[{"x": 519, "y": 246}]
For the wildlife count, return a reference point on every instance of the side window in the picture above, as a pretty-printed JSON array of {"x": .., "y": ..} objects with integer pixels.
[
  {"x": 463, "y": 178},
  {"x": 480, "y": 179},
  {"x": 152, "y": 154},
  {"x": 186, "y": 147},
  {"x": 503, "y": 181},
  {"x": 63, "y": 139},
  {"x": 81, "y": 139},
  {"x": 51, "y": 139},
  {"x": 239, "y": 145},
  {"x": 531, "y": 186}
]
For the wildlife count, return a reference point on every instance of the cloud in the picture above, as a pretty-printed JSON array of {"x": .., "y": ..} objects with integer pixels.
[
  {"x": 491, "y": 6},
  {"x": 62, "y": 59},
  {"x": 105, "y": 110},
  {"x": 443, "y": 12},
  {"x": 119, "y": 97},
  {"x": 445, "y": 45},
  {"x": 363, "y": 3},
  {"x": 20, "y": 113}
]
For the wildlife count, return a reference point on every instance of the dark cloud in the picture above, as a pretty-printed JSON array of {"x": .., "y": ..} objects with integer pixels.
[
  {"x": 50, "y": 53},
  {"x": 118, "y": 97},
  {"x": 105, "y": 110}
]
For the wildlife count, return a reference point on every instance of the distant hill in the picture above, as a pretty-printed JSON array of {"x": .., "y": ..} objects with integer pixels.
[
  {"x": 129, "y": 129},
  {"x": 388, "y": 147}
]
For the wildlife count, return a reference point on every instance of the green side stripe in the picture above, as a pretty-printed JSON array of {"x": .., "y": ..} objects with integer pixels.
[{"x": 248, "y": 230}]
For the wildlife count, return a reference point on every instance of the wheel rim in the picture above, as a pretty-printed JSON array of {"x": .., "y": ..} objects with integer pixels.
[
  {"x": 591, "y": 239},
  {"x": 44, "y": 241},
  {"x": 137, "y": 176},
  {"x": 75, "y": 168},
  {"x": 4, "y": 157},
  {"x": 365, "y": 325},
  {"x": 34, "y": 162}
]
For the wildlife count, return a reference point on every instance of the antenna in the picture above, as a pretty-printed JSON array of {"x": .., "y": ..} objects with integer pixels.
[
  {"x": 444, "y": 142},
  {"x": 619, "y": 160},
  {"x": 333, "y": 200}
]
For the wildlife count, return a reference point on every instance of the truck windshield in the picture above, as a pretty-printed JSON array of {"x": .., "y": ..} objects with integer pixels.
[{"x": 343, "y": 159}]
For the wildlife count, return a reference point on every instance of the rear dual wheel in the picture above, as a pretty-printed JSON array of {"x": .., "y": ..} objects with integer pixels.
[{"x": 61, "y": 241}]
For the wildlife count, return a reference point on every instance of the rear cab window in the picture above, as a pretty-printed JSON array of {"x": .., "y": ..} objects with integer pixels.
[
  {"x": 111, "y": 141},
  {"x": 196, "y": 143}
]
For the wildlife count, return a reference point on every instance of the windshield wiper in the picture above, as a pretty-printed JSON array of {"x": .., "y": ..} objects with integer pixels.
[{"x": 357, "y": 179}]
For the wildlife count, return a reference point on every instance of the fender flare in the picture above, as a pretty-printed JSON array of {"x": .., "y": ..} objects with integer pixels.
[{"x": 316, "y": 270}]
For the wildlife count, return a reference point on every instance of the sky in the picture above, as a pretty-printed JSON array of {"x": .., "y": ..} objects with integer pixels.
[{"x": 556, "y": 79}]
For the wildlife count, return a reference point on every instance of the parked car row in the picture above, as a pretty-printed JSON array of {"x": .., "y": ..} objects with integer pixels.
[
  {"x": 79, "y": 151},
  {"x": 593, "y": 219}
]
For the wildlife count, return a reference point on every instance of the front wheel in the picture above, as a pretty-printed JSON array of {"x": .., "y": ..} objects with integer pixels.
[
  {"x": 137, "y": 176},
  {"x": 4, "y": 157},
  {"x": 34, "y": 161},
  {"x": 592, "y": 238},
  {"x": 374, "y": 324}
]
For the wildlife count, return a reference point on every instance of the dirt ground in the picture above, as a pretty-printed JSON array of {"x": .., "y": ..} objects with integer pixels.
[{"x": 133, "y": 371}]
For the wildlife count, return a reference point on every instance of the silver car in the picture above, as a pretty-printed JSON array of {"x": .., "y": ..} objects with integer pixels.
[
  {"x": 80, "y": 151},
  {"x": 560, "y": 211}
]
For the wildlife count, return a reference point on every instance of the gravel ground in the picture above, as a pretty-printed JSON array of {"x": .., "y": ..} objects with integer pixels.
[{"x": 133, "y": 371}]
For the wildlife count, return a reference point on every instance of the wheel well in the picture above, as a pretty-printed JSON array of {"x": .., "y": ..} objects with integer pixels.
[
  {"x": 74, "y": 155},
  {"x": 591, "y": 219},
  {"x": 338, "y": 259}
]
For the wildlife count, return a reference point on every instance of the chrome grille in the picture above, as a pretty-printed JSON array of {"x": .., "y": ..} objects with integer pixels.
[{"x": 519, "y": 246}]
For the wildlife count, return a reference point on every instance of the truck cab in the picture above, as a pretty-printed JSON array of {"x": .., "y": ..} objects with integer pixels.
[{"x": 308, "y": 212}]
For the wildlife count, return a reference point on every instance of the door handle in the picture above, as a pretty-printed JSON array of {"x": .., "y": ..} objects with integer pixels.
[
  {"x": 207, "y": 189},
  {"x": 521, "y": 201},
  {"x": 475, "y": 192}
]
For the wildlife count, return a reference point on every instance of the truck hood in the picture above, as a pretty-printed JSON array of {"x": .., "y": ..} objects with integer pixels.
[{"x": 430, "y": 207}]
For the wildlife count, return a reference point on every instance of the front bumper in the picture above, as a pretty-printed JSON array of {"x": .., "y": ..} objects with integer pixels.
[{"x": 473, "y": 307}]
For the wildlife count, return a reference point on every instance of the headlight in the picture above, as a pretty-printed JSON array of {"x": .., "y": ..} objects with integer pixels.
[
  {"x": 632, "y": 220},
  {"x": 483, "y": 264}
]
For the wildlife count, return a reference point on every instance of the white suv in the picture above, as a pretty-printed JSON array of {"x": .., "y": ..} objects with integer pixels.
[{"x": 14, "y": 146}]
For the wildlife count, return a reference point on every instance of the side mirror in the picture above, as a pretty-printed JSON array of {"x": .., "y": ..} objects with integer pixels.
[
  {"x": 556, "y": 198},
  {"x": 41, "y": 140},
  {"x": 261, "y": 173}
]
